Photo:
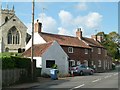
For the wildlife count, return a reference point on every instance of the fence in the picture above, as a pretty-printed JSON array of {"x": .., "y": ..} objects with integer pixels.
[{"x": 11, "y": 76}]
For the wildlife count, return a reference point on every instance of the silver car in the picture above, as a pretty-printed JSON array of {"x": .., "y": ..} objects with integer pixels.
[{"x": 81, "y": 70}]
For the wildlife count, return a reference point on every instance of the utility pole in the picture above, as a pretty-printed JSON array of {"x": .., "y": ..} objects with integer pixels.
[{"x": 32, "y": 50}]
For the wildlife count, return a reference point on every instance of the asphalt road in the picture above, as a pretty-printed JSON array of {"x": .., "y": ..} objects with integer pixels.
[{"x": 98, "y": 81}]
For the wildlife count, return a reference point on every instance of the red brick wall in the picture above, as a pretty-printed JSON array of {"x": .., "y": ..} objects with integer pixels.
[{"x": 78, "y": 54}]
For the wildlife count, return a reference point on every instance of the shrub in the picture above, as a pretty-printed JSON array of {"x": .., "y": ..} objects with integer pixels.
[{"x": 10, "y": 62}]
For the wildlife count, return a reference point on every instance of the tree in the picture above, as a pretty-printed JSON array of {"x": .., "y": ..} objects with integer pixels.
[{"x": 111, "y": 43}]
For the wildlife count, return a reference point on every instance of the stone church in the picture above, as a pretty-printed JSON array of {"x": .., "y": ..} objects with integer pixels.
[{"x": 12, "y": 31}]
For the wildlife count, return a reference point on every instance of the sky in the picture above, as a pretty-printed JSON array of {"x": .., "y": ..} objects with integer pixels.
[{"x": 65, "y": 17}]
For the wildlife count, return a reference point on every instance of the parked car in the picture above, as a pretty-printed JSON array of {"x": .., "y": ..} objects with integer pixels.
[{"x": 81, "y": 70}]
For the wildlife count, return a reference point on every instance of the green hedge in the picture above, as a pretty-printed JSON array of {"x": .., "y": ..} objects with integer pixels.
[{"x": 15, "y": 62}]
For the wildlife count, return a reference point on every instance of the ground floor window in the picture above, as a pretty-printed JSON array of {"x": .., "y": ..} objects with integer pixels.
[
  {"x": 50, "y": 63},
  {"x": 92, "y": 63},
  {"x": 86, "y": 62},
  {"x": 71, "y": 63},
  {"x": 78, "y": 63}
]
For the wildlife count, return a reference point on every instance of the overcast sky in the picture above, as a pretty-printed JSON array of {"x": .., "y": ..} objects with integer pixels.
[{"x": 65, "y": 17}]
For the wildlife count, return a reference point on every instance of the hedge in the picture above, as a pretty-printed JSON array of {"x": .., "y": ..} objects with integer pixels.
[{"x": 12, "y": 62}]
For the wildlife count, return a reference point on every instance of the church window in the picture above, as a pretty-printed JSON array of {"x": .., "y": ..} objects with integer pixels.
[
  {"x": 6, "y": 19},
  {"x": 13, "y": 36},
  {"x": 7, "y": 49}
]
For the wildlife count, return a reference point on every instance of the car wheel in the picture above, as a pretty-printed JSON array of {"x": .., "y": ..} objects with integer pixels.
[
  {"x": 81, "y": 73},
  {"x": 91, "y": 72}
]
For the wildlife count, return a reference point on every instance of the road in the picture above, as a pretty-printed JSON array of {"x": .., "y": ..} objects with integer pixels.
[{"x": 100, "y": 81}]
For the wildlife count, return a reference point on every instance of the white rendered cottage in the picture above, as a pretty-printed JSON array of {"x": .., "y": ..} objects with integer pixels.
[{"x": 48, "y": 54}]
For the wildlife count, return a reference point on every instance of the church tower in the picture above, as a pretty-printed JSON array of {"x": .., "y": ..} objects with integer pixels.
[
  {"x": 12, "y": 31},
  {"x": 6, "y": 14}
]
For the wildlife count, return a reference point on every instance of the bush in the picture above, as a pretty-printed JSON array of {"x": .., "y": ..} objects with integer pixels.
[{"x": 15, "y": 62}]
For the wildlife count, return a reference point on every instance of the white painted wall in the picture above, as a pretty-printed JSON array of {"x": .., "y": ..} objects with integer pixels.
[
  {"x": 55, "y": 52},
  {"x": 38, "y": 62},
  {"x": 37, "y": 40}
]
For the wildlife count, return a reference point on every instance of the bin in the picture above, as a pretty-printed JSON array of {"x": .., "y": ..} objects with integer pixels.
[{"x": 53, "y": 74}]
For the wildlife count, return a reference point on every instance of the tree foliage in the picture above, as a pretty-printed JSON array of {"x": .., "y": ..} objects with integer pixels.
[{"x": 111, "y": 43}]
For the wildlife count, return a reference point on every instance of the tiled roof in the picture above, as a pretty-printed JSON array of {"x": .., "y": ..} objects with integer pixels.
[
  {"x": 64, "y": 40},
  {"x": 39, "y": 49},
  {"x": 92, "y": 42}
]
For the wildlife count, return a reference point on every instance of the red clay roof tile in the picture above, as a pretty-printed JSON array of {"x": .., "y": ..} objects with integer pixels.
[
  {"x": 39, "y": 49},
  {"x": 64, "y": 40}
]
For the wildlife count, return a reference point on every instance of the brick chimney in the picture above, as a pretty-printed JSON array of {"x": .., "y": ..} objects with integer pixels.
[
  {"x": 38, "y": 27},
  {"x": 99, "y": 38},
  {"x": 94, "y": 37},
  {"x": 79, "y": 33}
]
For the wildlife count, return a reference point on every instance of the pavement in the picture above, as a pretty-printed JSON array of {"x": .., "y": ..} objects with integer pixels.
[{"x": 32, "y": 84}]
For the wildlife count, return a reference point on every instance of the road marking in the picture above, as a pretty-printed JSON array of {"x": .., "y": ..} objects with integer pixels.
[
  {"x": 108, "y": 76},
  {"x": 97, "y": 80},
  {"x": 77, "y": 86},
  {"x": 115, "y": 74}
]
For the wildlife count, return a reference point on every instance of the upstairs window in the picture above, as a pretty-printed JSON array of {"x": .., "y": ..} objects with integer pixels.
[
  {"x": 105, "y": 52},
  {"x": 99, "y": 50},
  {"x": 99, "y": 63},
  {"x": 91, "y": 49},
  {"x": 86, "y": 51},
  {"x": 13, "y": 36},
  {"x": 70, "y": 49}
]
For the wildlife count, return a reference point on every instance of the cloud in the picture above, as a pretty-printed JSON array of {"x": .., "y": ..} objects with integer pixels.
[
  {"x": 49, "y": 24},
  {"x": 65, "y": 17},
  {"x": 29, "y": 26},
  {"x": 81, "y": 6},
  {"x": 92, "y": 20},
  {"x": 68, "y": 23},
  {"x": 63, "y": 31}
]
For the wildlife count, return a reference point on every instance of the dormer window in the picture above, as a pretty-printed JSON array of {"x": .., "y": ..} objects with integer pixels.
[{"x": 70, "y": 49}]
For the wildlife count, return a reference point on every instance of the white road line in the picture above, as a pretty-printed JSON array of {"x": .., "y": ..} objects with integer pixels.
[
  {"x": 77, "y": 86},
  {"x": 96, "y": 80},
  {"x": 108, "y": 76},
  {"x": 115, "y": 74}
]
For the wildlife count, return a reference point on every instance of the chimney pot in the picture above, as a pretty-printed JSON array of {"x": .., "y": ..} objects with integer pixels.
[
  {"x": 38, "y": 27},
  {"x": 79, "y": 33}
]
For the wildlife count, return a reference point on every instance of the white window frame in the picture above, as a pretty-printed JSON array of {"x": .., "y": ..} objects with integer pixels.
[
  {"x": 92, "y": 49},
  {"x": 99, "y": 63},
  {"x": 86, "y": 62},
  {"x": 78, "y": 63},
  {"x": 70, "y": 49},
  {"x": 73, "y": 62},
  {"x": 99, "y": 50},
  {"x": 86, "y": 51},
  {"x": 92, "y": 62}
]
